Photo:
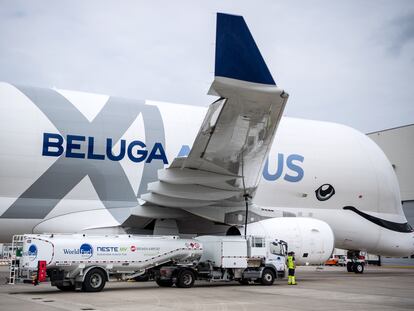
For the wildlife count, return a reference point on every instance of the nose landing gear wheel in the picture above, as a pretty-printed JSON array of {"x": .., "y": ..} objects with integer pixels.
[{"x": 358, "y": 268}]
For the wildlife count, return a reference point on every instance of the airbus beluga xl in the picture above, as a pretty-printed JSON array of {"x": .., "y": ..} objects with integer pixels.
[{"x": 77, "y": 162}]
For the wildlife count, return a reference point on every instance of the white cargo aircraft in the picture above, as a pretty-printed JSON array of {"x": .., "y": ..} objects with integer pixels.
[{"x": 76, "y": 162}]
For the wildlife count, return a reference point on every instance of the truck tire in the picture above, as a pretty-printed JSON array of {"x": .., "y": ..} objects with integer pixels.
[
  {"x": 164, "y": 283},
  {"x": 268, "y": 277},
  {"x": 94, "y": 280},
  {"x": 358, "y": 268},
  {"x": 349, "y": 266},
  {"x": 186, "y": 279},
  {"x": 66, "y": 288}
]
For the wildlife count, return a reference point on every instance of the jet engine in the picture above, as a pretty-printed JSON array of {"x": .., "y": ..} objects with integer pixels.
[{"x": 312, "y": 240}]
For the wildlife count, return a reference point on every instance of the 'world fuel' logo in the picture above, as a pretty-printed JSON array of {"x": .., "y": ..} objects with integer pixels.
[{"x": 85, "y": 251}]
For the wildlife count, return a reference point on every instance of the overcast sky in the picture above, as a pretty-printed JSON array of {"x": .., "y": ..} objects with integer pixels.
[{"x": 349, "y": 62}]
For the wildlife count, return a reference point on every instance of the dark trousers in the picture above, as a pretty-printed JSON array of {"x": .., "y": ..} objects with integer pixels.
[{"x": 291, "y": 272}]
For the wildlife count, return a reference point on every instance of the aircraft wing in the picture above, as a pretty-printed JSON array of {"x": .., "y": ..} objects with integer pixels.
[{"x": 229, "y": 152}]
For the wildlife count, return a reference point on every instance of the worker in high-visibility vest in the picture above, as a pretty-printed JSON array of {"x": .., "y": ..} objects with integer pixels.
[{"x": 291, "y": 268}]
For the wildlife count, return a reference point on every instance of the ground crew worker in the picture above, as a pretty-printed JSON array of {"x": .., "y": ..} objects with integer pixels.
[{"x": 291, "y": 268}]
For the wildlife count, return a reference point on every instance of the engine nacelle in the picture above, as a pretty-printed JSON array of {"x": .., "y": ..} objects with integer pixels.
[{"x": 312, "y": 240}]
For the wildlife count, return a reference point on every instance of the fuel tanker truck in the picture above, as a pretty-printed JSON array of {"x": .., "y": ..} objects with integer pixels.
[{"x": 87, "y": 262}]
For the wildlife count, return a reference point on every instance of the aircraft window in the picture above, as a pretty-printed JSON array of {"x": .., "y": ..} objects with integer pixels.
[{"x": 305, "y": 255}]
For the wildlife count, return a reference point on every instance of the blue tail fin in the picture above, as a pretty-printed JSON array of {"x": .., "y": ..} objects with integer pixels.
[{"x": 237, "y": 55}]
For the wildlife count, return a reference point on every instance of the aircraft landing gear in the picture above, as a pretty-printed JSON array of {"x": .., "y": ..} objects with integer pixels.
[
  {"x": 358, "y": 267},
  {"x": 355, "y": 263}
]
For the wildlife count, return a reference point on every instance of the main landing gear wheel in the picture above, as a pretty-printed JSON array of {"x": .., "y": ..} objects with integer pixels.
[{"x": 94, "y": 281}]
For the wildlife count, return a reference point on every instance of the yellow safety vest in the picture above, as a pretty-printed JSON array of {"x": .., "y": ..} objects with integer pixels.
[{"x": 290, "y": 262}]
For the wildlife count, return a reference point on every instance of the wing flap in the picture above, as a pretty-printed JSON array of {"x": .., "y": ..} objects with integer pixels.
[{"x": 236, "y": 141}]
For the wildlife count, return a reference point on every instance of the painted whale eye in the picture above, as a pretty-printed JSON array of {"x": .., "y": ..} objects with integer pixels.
[{"x": 324, "y": 192}]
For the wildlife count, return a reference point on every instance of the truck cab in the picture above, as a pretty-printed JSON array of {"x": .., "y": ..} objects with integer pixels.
[
  {"x": 272, "y": 253},
  {"x": 277, "y": 255}
]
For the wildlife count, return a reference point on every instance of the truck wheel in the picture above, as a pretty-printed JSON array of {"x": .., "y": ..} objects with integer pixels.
[
  {"x": 349, "y": 266},
  {"x": 66, "y": 288},
  {"x": 164, "y": 283},
  {"x": 358, "y": 268},
  {"x": 94, "y": 281},
  {"x": 185, "y": 279},
  {"x": 268, "y": 277}
]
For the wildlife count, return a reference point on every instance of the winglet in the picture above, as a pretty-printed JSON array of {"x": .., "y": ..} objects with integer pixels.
[{"x": 237, "y": 55}]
